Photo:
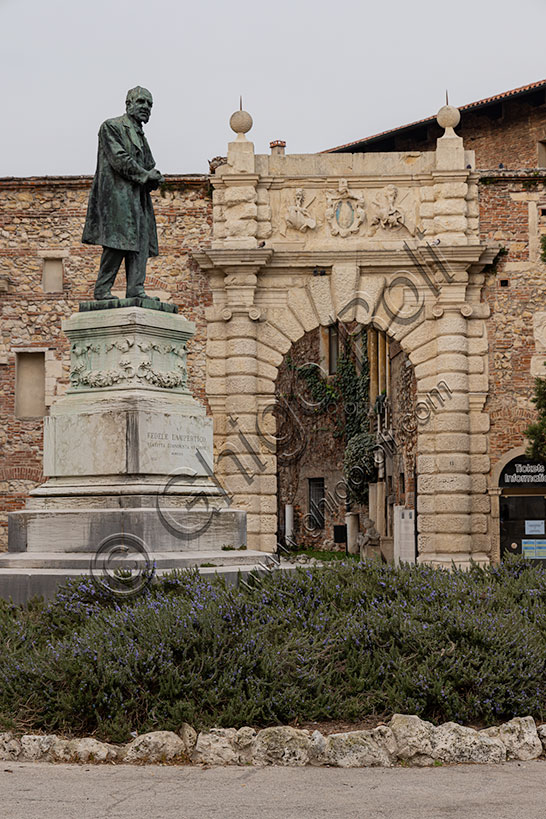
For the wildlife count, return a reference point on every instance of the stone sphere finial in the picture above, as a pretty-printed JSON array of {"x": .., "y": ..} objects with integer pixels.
[
  {"x": 240, "y": 122},
  {"x": 448, "y": 117}
]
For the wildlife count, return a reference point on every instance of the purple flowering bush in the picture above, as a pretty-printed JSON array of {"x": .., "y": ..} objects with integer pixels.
[{"x": 340, "y": 642}]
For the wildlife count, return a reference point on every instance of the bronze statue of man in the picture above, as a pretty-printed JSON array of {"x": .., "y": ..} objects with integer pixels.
[{"x": 120, "y": 215}]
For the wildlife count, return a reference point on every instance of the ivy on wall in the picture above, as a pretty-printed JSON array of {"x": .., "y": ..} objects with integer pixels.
[
  {"x": 348, "y": 394},
  {"x": 536, "y": 433}
]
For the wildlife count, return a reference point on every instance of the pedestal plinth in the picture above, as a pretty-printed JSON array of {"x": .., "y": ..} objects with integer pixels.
[{"x": 127, "y": 450}]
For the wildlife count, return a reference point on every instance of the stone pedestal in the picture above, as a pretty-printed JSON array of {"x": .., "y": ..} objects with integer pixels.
[{"x": 127, "y": 451}]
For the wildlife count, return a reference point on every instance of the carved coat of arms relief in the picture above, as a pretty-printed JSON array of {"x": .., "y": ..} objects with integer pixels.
[{"x": 345, "y": 211}]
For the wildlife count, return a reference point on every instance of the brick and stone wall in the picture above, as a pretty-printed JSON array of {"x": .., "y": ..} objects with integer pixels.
[
  {"x": 42, "y": 218},
  {"x": 510, "y": 213}
]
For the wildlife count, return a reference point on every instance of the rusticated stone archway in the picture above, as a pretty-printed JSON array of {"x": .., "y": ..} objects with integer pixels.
[{"x": 388, "y": 240}]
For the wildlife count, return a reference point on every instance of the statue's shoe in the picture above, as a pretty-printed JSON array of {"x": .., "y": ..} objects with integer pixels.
[
  {"x": 142, "y": 295},
  {"x": 103, "y": 296}
]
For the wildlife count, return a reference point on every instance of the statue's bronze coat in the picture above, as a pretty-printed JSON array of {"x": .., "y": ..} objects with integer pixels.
[{"x": 120, "y": 194}]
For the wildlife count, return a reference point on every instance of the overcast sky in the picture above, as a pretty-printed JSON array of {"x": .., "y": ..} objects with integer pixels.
[{"x": 316, "y": 73}]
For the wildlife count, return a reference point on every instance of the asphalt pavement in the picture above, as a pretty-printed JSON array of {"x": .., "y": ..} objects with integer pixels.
[{"x": 45, "y": 791}]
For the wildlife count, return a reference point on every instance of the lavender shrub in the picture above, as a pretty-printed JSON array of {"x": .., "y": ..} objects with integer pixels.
[{"x": 340, "y": 642}]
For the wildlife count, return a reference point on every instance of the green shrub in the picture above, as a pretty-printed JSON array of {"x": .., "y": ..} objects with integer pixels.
[{"x": 315, "y": 644}]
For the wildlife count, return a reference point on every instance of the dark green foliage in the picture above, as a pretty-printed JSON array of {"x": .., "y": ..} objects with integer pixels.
[
  {"x": 536, "y": 433},
  {"x": 334, "y": 643},
  {"x": 353, "y": 381},
  {"x": 358, "y": 466},
  {"x": 323, "y": 391},
  {"x": 358, "y": 459},
  {"x": 348, "y": 389}
]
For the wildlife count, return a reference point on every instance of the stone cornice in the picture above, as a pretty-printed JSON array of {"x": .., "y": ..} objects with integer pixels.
[
  {"x": 231, "y": 257},
  {"x": 456, "y": 254},
  {"x": 461, "y": 255},
  {"x": 360, "y": 180},
  {"x": 501, "y": 174},
  {"x": 235, "y": 179}
]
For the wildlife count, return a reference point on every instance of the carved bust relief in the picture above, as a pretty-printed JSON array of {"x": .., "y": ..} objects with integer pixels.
[
  {"x": 297, "y": 215},
  {"x": 386, "y": 213}
]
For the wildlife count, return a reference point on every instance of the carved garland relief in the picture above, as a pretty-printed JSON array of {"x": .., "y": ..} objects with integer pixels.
[{"x": 127, "y": 370}]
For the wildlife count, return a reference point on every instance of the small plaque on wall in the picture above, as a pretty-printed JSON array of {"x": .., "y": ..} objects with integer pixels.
[{"x": 534, "y": 527}]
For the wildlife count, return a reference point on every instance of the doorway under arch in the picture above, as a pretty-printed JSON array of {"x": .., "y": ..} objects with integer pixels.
[{"x": 347, "y": 430}]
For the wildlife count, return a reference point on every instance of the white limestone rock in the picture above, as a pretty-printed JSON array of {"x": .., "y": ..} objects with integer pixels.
[
  {"x": 282, "y": 745},
  {"x": 414, "y": 739},
  {"x": 61, "y": 751},
  {"x": 519, "y": 736},
  {"x": 361, "y": 749},
  {"x": 244, "y": 743},
  {"x": 36, "y": 746},
  {"x": 541, "y": 732},
  {"x": 10, "y": 747},
  {"x": 455, "y": 743},
  {"x": 89, "y": 749},
  {"x": 188, "y": 735},
  {"x": 215, "y": 747},
  {"x": 317, "y": 748},
  {"x": 157, "y": 746},
  {"x": 84, "y": 750}
]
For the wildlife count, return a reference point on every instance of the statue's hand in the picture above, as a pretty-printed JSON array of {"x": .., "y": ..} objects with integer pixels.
[{"x": 155, "y": 178}]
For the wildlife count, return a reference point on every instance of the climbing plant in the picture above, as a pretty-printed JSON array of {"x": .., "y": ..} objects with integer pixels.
[
  {"x": 348, "y": 390},
  {"x": 536, "y": 433}
]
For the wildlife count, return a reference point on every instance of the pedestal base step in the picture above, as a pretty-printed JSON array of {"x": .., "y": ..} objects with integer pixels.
[
  {"x": 27, "y": 575},
  {"x": 114, "y": 304},
  {"x": 161, "y": 530},
  {"x": 162, "y": 560}
]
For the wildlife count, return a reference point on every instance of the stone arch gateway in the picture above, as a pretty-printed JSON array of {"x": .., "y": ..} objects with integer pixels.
[{"x": 388, "y": 240}]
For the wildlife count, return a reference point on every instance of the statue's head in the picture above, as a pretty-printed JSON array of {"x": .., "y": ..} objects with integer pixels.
[{"x": 138, "y": 103}]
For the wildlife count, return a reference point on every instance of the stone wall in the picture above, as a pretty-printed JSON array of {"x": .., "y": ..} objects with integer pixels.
[{"x": 42, "y": 218}]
